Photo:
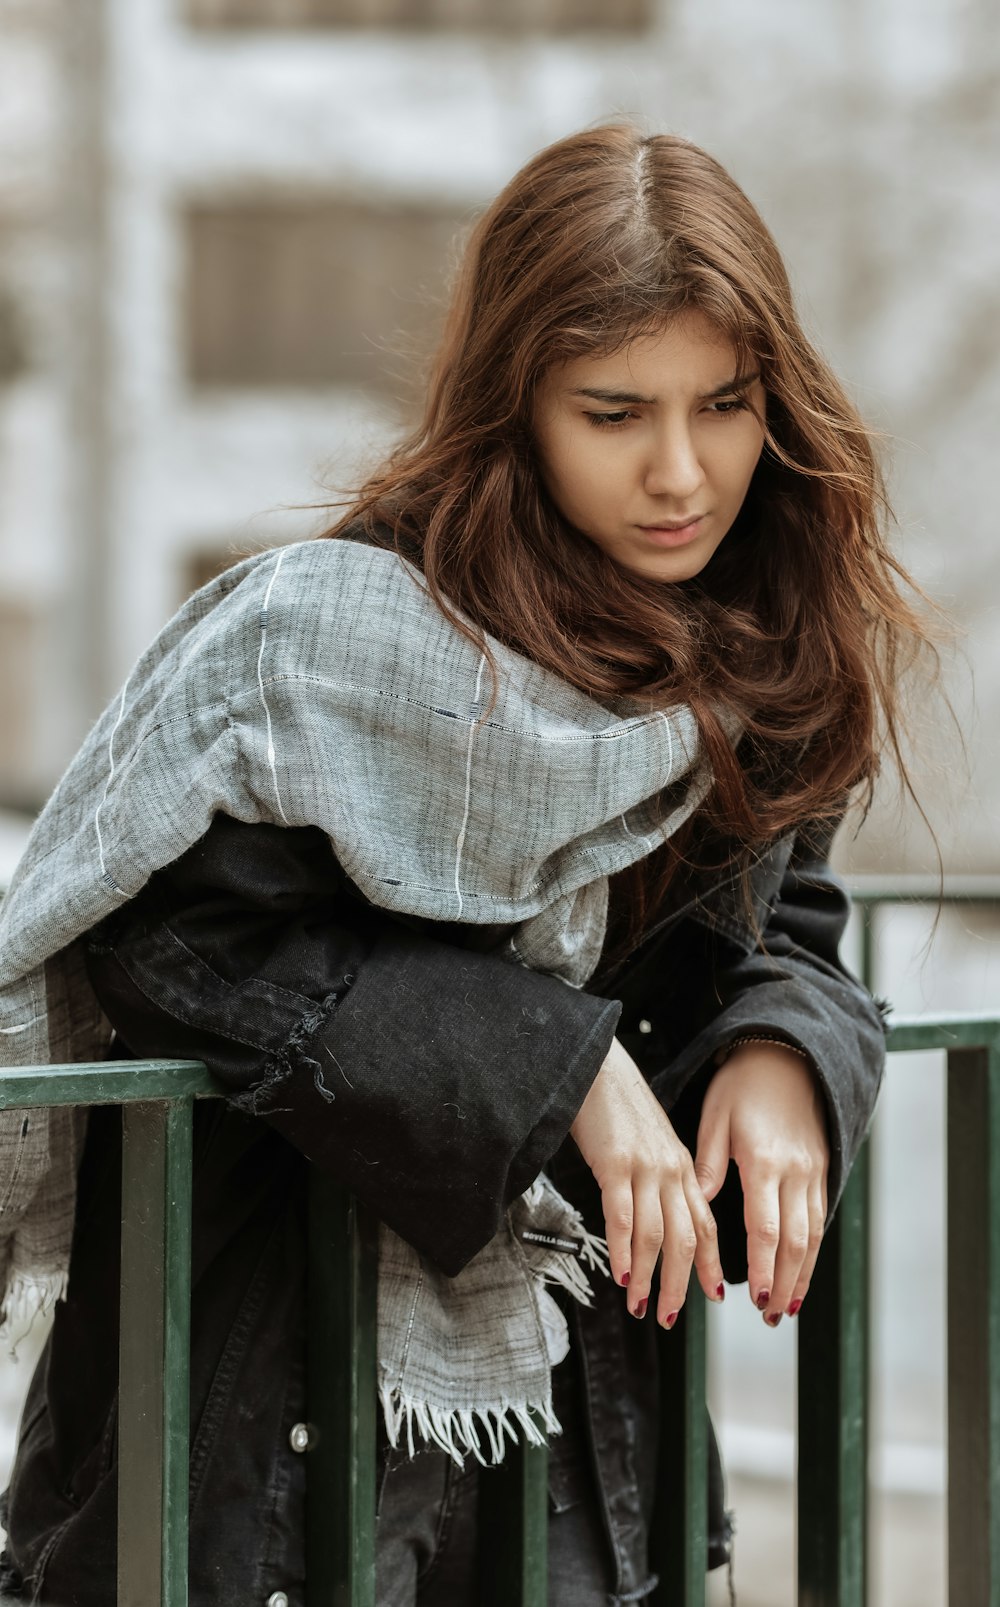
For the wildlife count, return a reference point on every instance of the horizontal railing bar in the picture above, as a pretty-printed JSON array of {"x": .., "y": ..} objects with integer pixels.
[
  {"x": 919, "y": 888},
  {"x": 943, "y": 1032},
  {"x": 106, "y": 1082}
]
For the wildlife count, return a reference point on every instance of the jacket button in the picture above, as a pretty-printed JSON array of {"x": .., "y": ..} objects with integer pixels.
[
  {"x": 277, "y": 1598},
  {"x": 645, "y": 1026},
  {"x": 298, "y": 1439}
]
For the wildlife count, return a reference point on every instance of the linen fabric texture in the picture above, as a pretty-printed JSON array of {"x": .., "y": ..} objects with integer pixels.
[{"x": 320, "y": 685}]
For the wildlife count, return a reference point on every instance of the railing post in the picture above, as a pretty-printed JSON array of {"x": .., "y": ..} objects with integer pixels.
[
  {"x": 974, "y": 1327},
  {"x": 154, "y": 1355},
  {"x": 832, "y": 1526},
  {"x": 833, "y": 1354},
  {"x": 679, "y": 1533},
  {"x": 867, "y": 911},
  {"x": 514, "y": 1514},
  {"x": 341, "y": 1388}
]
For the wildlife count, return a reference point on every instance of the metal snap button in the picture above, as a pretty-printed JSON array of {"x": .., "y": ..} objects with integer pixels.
[
  {"x": 277, "y": 1598},
  {"x": 298, "y": 1438},
  {"x": 645, "y": 1026}
]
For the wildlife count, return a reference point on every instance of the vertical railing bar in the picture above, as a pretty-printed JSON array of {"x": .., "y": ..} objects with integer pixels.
[
  {"x": 855, "y": 1350},
  {"x": 513, "y": 1523},
  {"x": 868, "y": 911},
  {"x": 154, "y": 1355},
  {"x": 695, "y": 1449},
  {"x": 834, "y": 1342},
  {"x": 177, "y": 1352},
  {"x": 342, "y": 1291},
  {"x": 832, "y": 1484},
  {"x": 679, "y": 1532},
  {"x": 867, "y": 1160},
  {"x": 973, "y": 1301},
  {"x": 533, "y": 1477}
]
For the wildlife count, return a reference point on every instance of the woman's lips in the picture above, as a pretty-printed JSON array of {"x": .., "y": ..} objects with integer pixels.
[{"x": 663, "y": 536}]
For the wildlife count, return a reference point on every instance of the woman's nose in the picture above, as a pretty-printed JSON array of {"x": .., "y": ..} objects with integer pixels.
[{"x": 673, "y": 468}]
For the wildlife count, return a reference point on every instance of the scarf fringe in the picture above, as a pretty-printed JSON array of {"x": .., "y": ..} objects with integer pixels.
[
  {"x": 458, "y": 1429},
  {"x": 26, "y": 1297},
  {"x": 568, "y": 1271}
]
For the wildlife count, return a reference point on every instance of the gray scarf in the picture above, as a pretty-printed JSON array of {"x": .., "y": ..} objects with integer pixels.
[{"x": 320, "y": 685}]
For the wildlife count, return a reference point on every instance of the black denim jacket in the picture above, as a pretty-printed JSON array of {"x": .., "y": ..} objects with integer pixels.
[{"x": 341, "y": 1031}]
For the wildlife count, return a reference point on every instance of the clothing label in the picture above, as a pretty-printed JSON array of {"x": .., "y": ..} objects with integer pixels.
[{"x": 551, "y": 1241}]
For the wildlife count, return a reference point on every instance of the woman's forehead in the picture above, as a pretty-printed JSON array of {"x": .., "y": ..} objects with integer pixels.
[{"x": 688, "y": 352}]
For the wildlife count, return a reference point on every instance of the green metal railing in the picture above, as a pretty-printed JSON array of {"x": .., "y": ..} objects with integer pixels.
[{"x": 157, "y": 1100}]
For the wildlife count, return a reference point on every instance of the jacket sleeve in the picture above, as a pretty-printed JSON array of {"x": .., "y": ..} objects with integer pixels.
[
  {"x": 433, "y": 1080},
  {"x": 791, "y": 984}
]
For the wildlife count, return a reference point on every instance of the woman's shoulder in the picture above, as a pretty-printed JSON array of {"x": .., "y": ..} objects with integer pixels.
[
  {"x": 332, "y": 572},
  {"x": 315, "y": 560},
  {"x": 345, "y": 608}
]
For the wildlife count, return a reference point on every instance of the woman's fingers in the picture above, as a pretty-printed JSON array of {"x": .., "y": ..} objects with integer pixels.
[
  {"x": 816, "y": 1216},
  {"x": 771, "y": 1099},
  {"x": 616, "y": 1201},
  {"x": 645, "y": 1220},
  {"x": 714, "y": 1148},
  {"x": 762, "y": 1217},
  {"x": 784, "y": 1221},
  {"x": 647, "y": 1242},
  {"x": 793, "y": 1247},
  {"x": 648, "y": 1187},
  {"x": 691, "y": 1237}
]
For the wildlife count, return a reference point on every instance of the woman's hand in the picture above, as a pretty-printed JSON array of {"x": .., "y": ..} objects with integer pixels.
[
  {"x": 651, "y": 1197},
  {"x": 764, "y": 1110}
]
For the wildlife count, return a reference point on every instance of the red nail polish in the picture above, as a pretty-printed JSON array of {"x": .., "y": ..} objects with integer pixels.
[
  {"x": 640, "y": 1310},
  {"x": 795, "y": 1308},
  {"x": 762, "y": 1299},
  {"x": 720, "y": 1291},
  {"x": 670, "y": 1319},
  {"x": 773, "y": 1319},
  {"x": 625, "y": 1278}
]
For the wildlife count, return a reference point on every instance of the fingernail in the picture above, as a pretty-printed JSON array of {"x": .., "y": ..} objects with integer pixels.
[
  {"x": 720, "y": 1291},
  {"x": 762, "y": 1299},
  {"x": 625, "y": 1278},
  {"x": 670, "y": 1319},
  {"x": 773, "y": 1318},
  {"x": 640, "y": 1310},
  {"x": 795, "y": 1308}
]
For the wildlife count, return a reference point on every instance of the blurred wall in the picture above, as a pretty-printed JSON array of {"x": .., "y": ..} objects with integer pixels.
[{"x": 224, "y": 229}]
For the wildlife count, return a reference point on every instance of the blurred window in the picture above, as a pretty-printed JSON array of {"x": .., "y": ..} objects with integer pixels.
[
  {"x": 13, "y": 351},
  {"x": 20, "y": 648},
  {"x": 507, "y": 16},
  {"x": 314, "y": 293}
]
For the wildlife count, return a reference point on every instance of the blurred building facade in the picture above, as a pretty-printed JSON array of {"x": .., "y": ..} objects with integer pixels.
[{"x": 225, "y": 230}]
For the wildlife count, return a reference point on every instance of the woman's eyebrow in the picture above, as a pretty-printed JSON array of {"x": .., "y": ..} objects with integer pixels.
[
  {"x": 615, "y": 396},
  {"x": 739, "y": 382}
]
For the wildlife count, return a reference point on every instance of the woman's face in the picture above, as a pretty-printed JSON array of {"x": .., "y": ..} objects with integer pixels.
[{"x": 649, "y": 452}]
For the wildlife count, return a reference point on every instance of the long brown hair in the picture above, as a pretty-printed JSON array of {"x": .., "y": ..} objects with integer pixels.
[{"x": 799, "y": 623}]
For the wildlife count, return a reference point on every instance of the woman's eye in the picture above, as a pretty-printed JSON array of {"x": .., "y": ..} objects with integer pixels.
[
  {"x": 609, "y": 421},
  {"x": 732, "y": 404}
]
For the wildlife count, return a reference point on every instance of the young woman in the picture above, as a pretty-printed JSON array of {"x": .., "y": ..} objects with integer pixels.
[{"x": 576, "y": 693}]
